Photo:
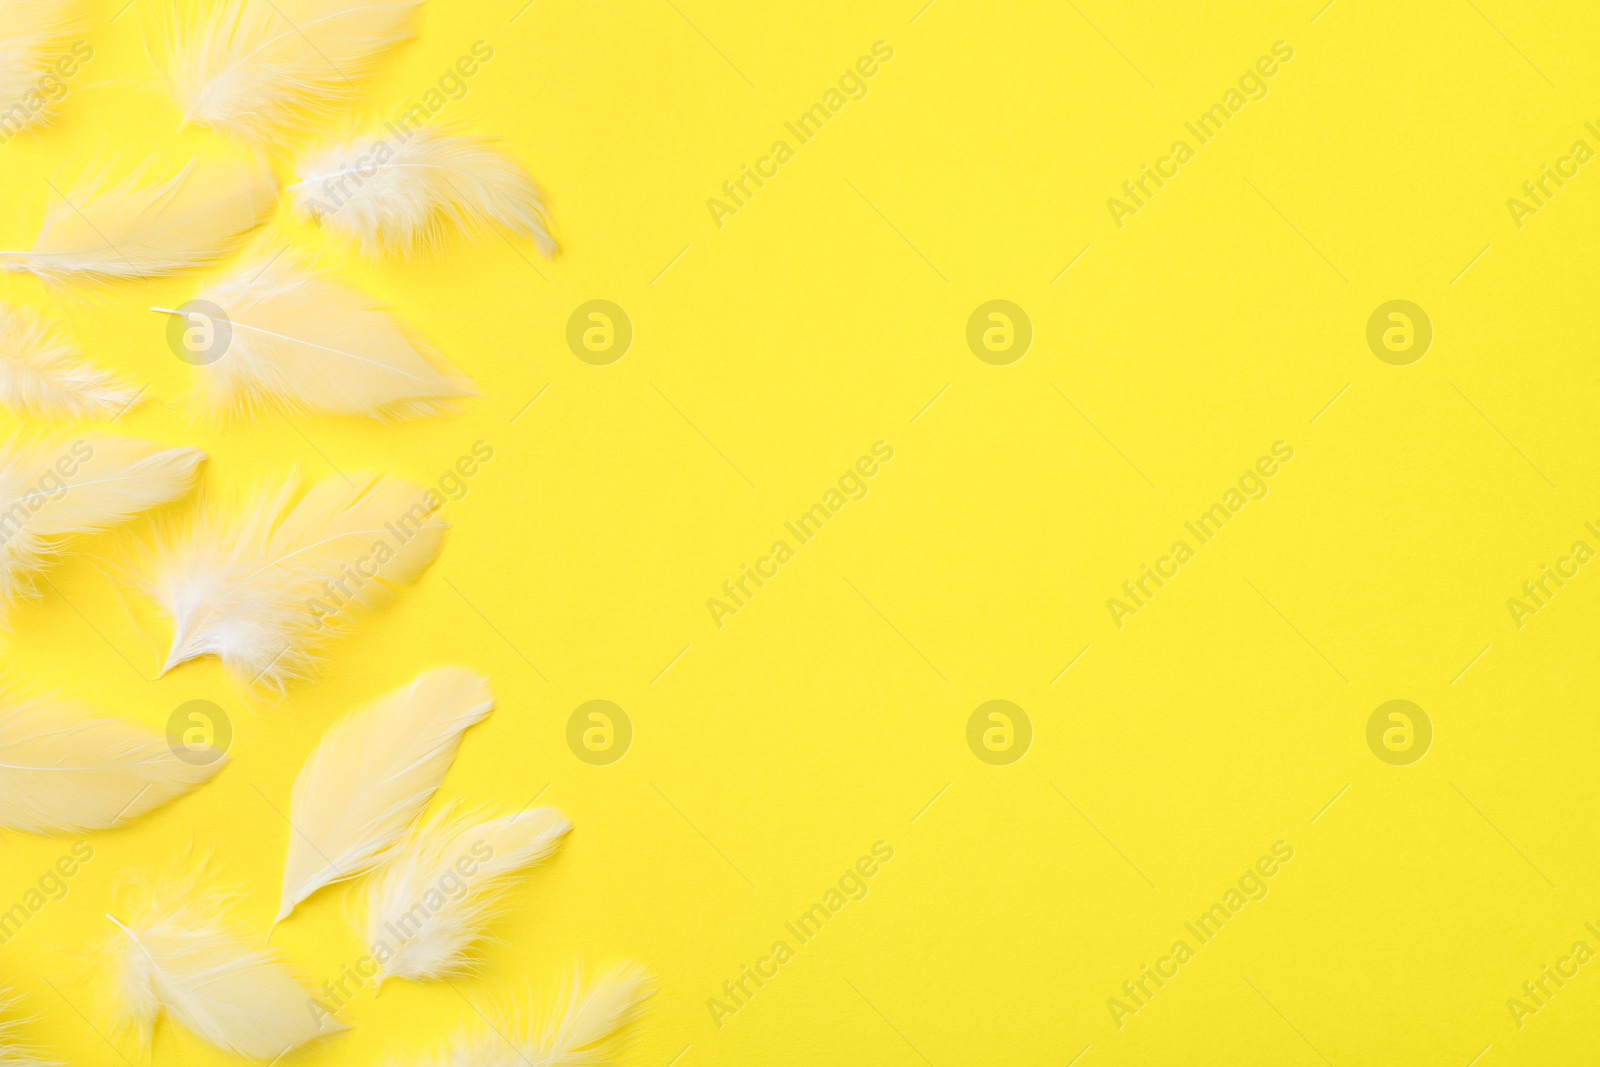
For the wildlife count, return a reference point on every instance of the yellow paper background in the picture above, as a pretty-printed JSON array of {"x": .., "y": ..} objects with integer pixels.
[{"x": 769, "y": 354}]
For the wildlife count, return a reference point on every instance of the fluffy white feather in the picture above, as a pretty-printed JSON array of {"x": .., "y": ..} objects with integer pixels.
[
  {"x": 33, "y": 36},
  {"x": 144, "y": 227},
  {"x": 43, "y": 375},
  {"x": 302, "y": 343},
  {"x": 581, "y": 1027},
  {"x": 371, "y": 776},
  {"x": 14, "y": 1051},
  {"x": 396, "y": 196},
  {"x": 435, "y": 898},
  {"x": 266, "y": 585},
  {"x": 54, "y": 488},
  {"x": 175, "y": 952},
  {"x": 63, "y": 771},
  {"x": 264, "y": 70}
]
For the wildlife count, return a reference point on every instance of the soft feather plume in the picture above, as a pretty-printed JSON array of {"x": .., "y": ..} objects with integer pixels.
[
  {"x": 33, "y": 36},
  {"x": 263, "y": 70},
  {"x": 266, "y": 587},
  {"x": 446, "y": 847},
  {"x": 52, "y": 489},
  {"x": 302, "y": 343},
  {"x": 582, "y": 1027},
  {"x": 141, "y": 227},
  {"x": 175, "y": 952},
  {"x": 398, "y": 197},
  {"x": 13, "y": 1051},
  {"x": 371, "y": 776},
  {"x": 62, "y": 771},
  {"x": 43, "y": 375}
]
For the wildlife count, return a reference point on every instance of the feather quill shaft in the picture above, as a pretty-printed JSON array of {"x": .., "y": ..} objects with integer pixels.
[
  {"x": 143, "y": 228},
  {"x": 400, "y": 197},
  {"x": 473, "y": 861},
  {"x": 301, "y": 343},
  {"x": 62, "y": 771},
  {"x": 266, "y": 587},
  {"x": 53, "y": 489},
  {"x": 43, "y": 375},
  {"x": 371, "y": 776},
  {"x": 176, "y": 953}
]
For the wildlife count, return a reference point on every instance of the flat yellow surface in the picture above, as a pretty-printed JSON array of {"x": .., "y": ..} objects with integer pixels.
[{"x": 777, "y": 340}]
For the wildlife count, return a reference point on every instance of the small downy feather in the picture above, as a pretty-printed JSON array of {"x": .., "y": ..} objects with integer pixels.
[
  {"x": 52, "y": 489},
  {"x": 63, "y": 771},
  {"x": 266, "y": 585},
  {"x": 33, "y": 37},
  {"x": 371, "y": 776},
  {"x": 266, "y": 70},
  {"x": 144, "y": 227},
  {"x": 400, "y": 199},
  {"x": 302, "y": 344},
  {"x": 43, "y": 375},
  {"x": 494, "y": 850},
  {"x": 176, "y": 952},
  {"x": 14, "y": 1052},
  {"x": 583, "y": 1026}
]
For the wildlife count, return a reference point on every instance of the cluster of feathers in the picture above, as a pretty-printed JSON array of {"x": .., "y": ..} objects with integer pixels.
[{"x": 235, "y": 575}]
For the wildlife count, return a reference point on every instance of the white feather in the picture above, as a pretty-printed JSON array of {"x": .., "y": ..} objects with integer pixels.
[
  {"x": 62, "y": 771},
  {"x": 14, "y": 1052},
  {"x": 54, "y": 488},
  {"x": 263, "y": 70},
  {"x": 264, "y": 586},
  {"x": 427, "y": 907},
  {"x": 582, "y": 1027},
  {"x": 43, "y": 375},
  {"x": 33, "y": 36},
  {"x": 176, "y": 953},
  {"x": 302, "y": 343},
  {"x": 397, "y": 196},
  {"x": 143, "y": 227},
  {"x": 371, "y": 776}
]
